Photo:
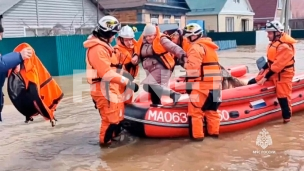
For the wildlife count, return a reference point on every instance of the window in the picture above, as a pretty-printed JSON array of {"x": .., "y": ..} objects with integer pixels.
[
  {"x": 178, "y": 22},
  {"x": 280, "y": 4},
  {"x": 154, "y": 18},
  {"x": 229, "y": 24},
  {"x": 167, "y": 19},
  {"x": 245, "y": 24},
  {"x": 84, "y": 30},
  {"x": 38, "y": 31}
]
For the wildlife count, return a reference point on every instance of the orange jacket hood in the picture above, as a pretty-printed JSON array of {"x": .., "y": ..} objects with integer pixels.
[
  {"x": 287, "y": 39},
  {"x": 207, "y": 42},
  {"x": 93, "y": 41}
]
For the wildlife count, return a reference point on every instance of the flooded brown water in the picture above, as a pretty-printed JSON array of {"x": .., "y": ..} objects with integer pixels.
[{"x": 68, "y": 146}]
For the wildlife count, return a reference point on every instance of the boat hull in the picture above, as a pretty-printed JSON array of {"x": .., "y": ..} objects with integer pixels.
[{"x": 237, "y": 111}]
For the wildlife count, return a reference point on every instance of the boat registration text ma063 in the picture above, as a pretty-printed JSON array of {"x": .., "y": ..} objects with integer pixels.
[{"x": 178, "y": 117}]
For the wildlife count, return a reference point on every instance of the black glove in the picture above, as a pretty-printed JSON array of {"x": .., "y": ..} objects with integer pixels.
[
  {"x": 133, "y": 86},
  {"x": 182, "y": 61}
]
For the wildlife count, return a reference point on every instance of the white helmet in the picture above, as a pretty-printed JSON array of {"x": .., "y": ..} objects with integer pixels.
[
  {"x": 109, "y": 24},
  {"x": 126, "y": 32},
  {"x": 274, "y": 26},
  {"x": 192, "y": 29}
]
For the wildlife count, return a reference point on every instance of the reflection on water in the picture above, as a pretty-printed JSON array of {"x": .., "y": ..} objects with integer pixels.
[{"x": 71, "y": 145}]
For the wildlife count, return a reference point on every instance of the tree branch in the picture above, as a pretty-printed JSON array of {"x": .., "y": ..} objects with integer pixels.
[{"x": 31, "y": 29}]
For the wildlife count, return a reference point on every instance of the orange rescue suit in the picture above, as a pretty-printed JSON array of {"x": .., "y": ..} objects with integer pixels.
[
  {"x": 105, "y": 82},
  {"x": 161, "y": 54},
  {"x": 280, "y": 69},
  {"x": 40, "y": 95},
  {"x": 204, "y": 77},
  {"x": 124, "y": 56},
  {"x": 186, "y": 44}
]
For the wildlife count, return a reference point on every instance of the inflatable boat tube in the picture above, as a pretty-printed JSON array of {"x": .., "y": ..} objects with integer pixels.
[{"x": 241, "y": 108}]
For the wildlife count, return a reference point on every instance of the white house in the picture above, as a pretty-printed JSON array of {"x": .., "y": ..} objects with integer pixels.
[
  {"x": 48, "y": 17},
  {"x": 222, "y": 15}
]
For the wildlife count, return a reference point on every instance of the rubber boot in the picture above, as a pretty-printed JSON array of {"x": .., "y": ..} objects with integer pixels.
[
  {"x": 252, "y": 81},
  {"x": 121, "y": 139},
  {"x": 107, "y": 141},
  {"x": 286, "y": 111},
  {"x": 156, "y": 92},
  {"x": 172, "y": 94}
]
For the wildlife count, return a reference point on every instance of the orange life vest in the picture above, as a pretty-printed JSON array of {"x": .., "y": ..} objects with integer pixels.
[
  {"x": 91, "y": 73},
  {"x": 124, "y": 58},
  {"x": 33, "y": 90},
  {"x": 210, "y": 70},
  {"x": 161, "y": 54},
  {"x": 272, "y": 50}
]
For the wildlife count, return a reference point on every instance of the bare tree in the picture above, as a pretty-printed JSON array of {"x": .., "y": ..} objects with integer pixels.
[
  {"x": 112, "y": 12},
  {"x": 29, "y": 28},
  {"x": 77, "y": 29}
]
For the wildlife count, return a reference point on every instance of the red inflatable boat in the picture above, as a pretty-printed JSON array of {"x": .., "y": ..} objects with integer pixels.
[{"x": 241, "y": 108}]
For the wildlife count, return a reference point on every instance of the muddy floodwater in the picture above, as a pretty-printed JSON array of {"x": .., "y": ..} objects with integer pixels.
[{"x": 70, "y": 145}]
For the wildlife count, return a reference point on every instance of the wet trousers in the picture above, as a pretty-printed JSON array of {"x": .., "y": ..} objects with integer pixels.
[
  {"x": 203, "y": 104},
  {"x": 283, "y": 87},
  {"x": 127, "y": 97},
  {"x": 110, "y": 114}
]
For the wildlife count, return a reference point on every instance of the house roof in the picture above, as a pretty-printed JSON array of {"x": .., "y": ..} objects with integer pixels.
[
  {"x": 264, "y": 10},
  {"x": 205, "y": 7},
  {"x": 297, "y": 7},
  {"x": 116, "y": 4},
  {"x": 120, "y": 4},
  {"x": 7, "y": 4}
]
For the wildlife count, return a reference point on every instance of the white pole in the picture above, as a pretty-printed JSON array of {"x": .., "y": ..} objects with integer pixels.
[
  {"x": 282, "y": 19},
  {"x": 286, "y": 17},
  {"x": 289, "y": 15}
]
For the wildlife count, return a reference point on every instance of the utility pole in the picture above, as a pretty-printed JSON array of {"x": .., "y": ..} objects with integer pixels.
[
  {"x": 286, "y": 15},
  {"x": 97, "y": 12}
]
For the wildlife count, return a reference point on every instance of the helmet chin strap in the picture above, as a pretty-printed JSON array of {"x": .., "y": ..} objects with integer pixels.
[
  {"x": 275, "y": 36},
  {"x": 192, "y": 40},
  {"x": 122, "y": 41}
]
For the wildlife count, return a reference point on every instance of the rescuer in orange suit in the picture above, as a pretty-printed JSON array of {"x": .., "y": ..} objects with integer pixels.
[
  {"x": 105, "y": 81},
  {"x": 203, "y": 83},
  {"x": 280, "y": 66},
  {"x": 124, "y": 51}
]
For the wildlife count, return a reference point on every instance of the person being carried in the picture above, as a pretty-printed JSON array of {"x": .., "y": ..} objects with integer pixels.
[
  {"x": 280, "y": 66},
  {"x": 105, "y": 81},
  {"x": 157, "y": 52},
  {"x": 203, "y": 85}
]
